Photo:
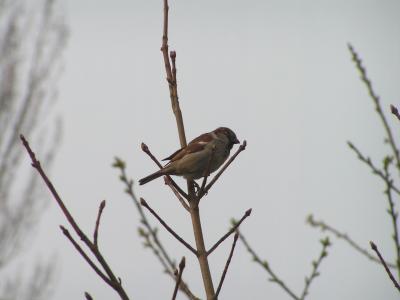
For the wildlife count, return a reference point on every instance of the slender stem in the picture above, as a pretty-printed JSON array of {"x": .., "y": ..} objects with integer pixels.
[
  {"x": 375, "y": 248},
  {"x": 179, "y": 277},
  {"x": 241, "y": 148},
  {"x": 146, "y": 150},
  {"x": 233, "y": 229},
  {"x": 377, "y": 103},
  {"x": 158, "y": 248},
  {"x": 96, "y": 228},
  {"x": 227, "y": 264},
  {"x": 265, "y": 265},
  {"x": 315, "y": 265},
  {"x": 169, "y": 229},
  {"x": 194, "y": 208},
  {"x": 375, "y": 170},
  {"x": 116, "y": 284},
  {"x": 343, "y": 236},
  {"x": 85, "y": 256},
  {"x": 173, "y": 91}
]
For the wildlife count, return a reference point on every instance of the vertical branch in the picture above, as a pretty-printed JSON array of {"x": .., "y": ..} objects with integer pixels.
[
  {"x": 194, "y": 208},
  {"x": 173, "y": 89},
  {"x": 376, "y": 100}
]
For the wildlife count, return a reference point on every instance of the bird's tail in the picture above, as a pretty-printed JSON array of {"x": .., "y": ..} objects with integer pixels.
[{"x": 151, "y": 177}]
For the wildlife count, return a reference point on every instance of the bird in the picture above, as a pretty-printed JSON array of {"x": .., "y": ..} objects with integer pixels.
[{"x": 192, "y": 161}]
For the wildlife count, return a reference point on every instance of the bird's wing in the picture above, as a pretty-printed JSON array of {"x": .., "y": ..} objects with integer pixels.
[{"x": 195, "y": 145}]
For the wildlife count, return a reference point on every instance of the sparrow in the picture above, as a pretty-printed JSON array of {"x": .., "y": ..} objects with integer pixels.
[{"x": 192, "y": 161}]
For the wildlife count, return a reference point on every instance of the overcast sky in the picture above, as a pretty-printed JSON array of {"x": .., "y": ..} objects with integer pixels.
[{"x": 276, "y": 72}]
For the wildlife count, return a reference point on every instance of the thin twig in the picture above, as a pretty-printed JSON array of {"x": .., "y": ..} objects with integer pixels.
[
  {"x": 173, "y": 91},
  {"x": 241, "y": 148},
  {"x": 158, "y": 248},
  {"x": 315, "y": 265},
  {"x": 375, "y": 170},
  {"x": 179, "y": 277},
  {"x": 376, "y": 100},
  {"x": 375, "y": 248},
  {"x": 169, "y": 229},
  {"x": 343, "y": 236},
  {"x": 233, "y": 229},
  {"x": 85, "y": 256},
  {"x": 88, "y": 296},
  {"x": 395, "y": 111},
  {"x": 265, "y": 265},
  {"x": 221, "y": 281},
  {"x": 393, "y": 214},
  {"x": 146, "y": 150},
  {"x": 167, "y": 180},
  {"x": 96, "y": 229},
  {"x": 115, "y": 282}
]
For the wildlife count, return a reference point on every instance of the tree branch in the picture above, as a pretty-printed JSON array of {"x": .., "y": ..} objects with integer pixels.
[
  {"x": 169, "y": 229},
  {"x": 96, "y": 229},
  {"x": 115, "y": 282},
  {"x": 232, "y": 230},
  {"x": 241, "y": 148},
  {"x": 221, "y": 281},
  {"x": 343, "y": 236},
  {"x": 375, "y": 248},
  {"x": 178, "y": 277}
]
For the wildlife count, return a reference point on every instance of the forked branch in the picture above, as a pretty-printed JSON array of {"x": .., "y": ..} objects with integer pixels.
[{"x": 110, "y": 278}]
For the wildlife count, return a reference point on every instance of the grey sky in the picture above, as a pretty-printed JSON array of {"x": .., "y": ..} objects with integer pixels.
[{"x": 280, "y": 75}]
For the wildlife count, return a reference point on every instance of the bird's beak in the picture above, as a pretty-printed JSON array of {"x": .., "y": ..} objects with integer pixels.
[{"x": 236, "y": 141}]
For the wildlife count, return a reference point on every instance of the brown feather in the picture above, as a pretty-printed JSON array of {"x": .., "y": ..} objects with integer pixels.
[{"x": 193, "y": 146}]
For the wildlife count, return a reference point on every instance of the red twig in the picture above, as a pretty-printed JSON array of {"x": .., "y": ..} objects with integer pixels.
[
  {"x": 241, "y": 148},
  {"x": 169, "y": 229},
  {"x": 112, "y": 280},
  {"x": 85, "y": 256},
  {"x": 375, "y": 248},
  {"x": 96, "y": 228},
  {"x": 170, "y": 181},
  {"x": 179, "y": 277},
  {"x": 395, "y": 111},
  {"x": 235, "y": 238},
  {"x": 246, "y": 214}
]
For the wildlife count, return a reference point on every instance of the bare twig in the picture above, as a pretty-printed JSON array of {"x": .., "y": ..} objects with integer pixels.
[
  {"x": 85, "y": 256},
  {"x": 88, "y": 296},
  {"x": 343, "y": 236},
  {"x": 395, "y": 111},
  {"x": 241, "y": 148},
  {"x": 158, "y": 248},
  {"x": 315, "y": 265},
  {"x": 146, "y": 150},
  {"x": 96, "y": 229},
  {"x": 167, "y": 180},
  {"x": 265, "y": 265},
  {"x": 375, "y": 248},
  {"x": 112, "y": 281},
  {"x": 173, "y": 90},
  {"x": 221, "y": 281},
  {"x": 169, "y": 229},
  {"x": 232, "y": 230},
  {"x": 179, "y": 277},
  {"x": 194, "y": 208}
]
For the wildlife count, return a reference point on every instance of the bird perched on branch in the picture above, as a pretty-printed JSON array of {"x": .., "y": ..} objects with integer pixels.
[{"x": 192, "y": 161}]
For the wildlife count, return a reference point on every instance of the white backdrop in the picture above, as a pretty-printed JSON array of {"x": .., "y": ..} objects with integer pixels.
[{"x": 280, "y": 75}]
